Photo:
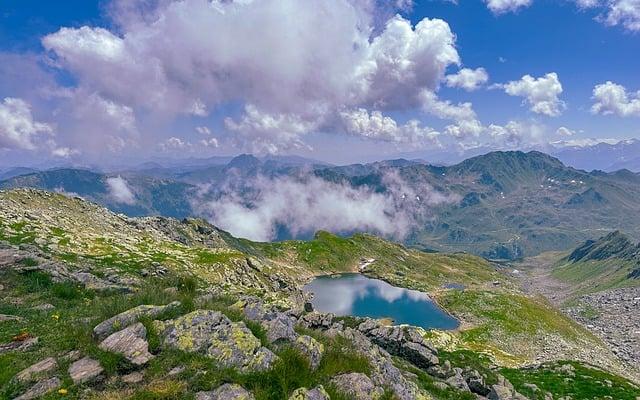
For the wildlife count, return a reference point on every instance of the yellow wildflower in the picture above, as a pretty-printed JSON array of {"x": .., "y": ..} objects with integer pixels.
[{"x": 62, "y": 391}]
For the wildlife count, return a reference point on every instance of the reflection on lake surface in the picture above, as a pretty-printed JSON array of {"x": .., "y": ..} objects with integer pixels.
[{"x": 360, "y": 296}]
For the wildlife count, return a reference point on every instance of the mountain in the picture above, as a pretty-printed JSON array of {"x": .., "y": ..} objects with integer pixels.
[
  {"x": 17, "y": 171},
  {"x": 501, "y": 205},
  {"x": 152, "y": 196},
  {"x": 102, "y": 305},
  {"x": 610, "y": 262},
  {"x": 603, "y": 156},
  {"x": 512, "y": 204}
]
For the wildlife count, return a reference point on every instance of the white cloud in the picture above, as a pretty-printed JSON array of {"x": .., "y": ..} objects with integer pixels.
[
  {"x": 18, "y": 130},
  {"x": 616, "y": 12},
  {"x": 211, "y": 142},
  {"x": 611, "y": 98},
  {"x": 173, "y": 144},
  {"x": 269, "y": 133},
  {"x": 377, "y": 126},
  {"x": 307, "y": 203},
  {"x": 462, "y": 114},
  {"x": 564, "y": 131},
  {"x": 541, "y": 94},
  {"x": 504, "y": 6},
  {"x": 468, "y": 79},
  {"x": 296, "y": 63},
  {"x": 516, "y": 134},
  {"x": 203, "y": 130},
  {"x": 120, "y": 191}
]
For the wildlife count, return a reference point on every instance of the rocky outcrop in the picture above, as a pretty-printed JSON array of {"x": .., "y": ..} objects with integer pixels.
[
  {"x": 18, "y": 345},
  {"x": 384, "y": 372},
  {"x": 211, "y": 333},
  {"x": 131, "y": 343},
  {"x": 317, "y": 393},
  {"x": 85, "y": 370},
  {"x": 124, "y": 319},
  {"x": 278, "y": 325},
  {"x": 38, "y": 369},
  {"x": 226, "y": 392},
  {"x": 40, "y": 389},
  {"x": 357, "y": 386},
  {"x": 402, "y": 341},
  {"x": 311, "y": 348}
]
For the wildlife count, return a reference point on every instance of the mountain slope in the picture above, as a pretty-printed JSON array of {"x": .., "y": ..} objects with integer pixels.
[
  {"x": 612, "y": 261},
  {"x": 82, "y": 238}
]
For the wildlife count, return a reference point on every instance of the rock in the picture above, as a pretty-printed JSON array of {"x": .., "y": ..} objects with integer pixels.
[
  {"x": 71, "y": 356},
  {"x": 531, "y": 386},
  {"x": 126, "y": 318},
  {"x": 176, "y": 371},
  {"x": 226, "y": 392},
  {"x": 501, "y": 392},
  {"x": 44, "y": 307},
  {"x": 131, "y": 343},
  {"x": 457, "y": 381},
  {"x": 18, "y": 345},
  {"x": 317, "y": 320},
  {"x": 12, "y": 318},
  {"x": 311, "y": 348},
  {"x": 476, "y": 383},
  {"x": 211, "y": 333},
  {"x": 92, "y": 282},
  {"x": 40, "y": 389},
  {"x": 134, "y": 377},
  {"x": 280, "y": 329},
  {"x": 85, "y": 370},
  {"x": 317, "y": 393},
  {"x": 404, "y": 342},
  {"x": 37, "y": 369},
  {"x": 357, "y": 386},
  {"x": 384, "y": 372}
]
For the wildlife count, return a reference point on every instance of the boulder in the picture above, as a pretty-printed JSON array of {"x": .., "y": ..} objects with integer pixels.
[
  {"x": 40, "y": 389},
  {"x": 85, "y": 370},
  {"x": 131, "y": 343},
  {"x": 357, "y": 386},
  {"x": 38, "y": 369},
  {"x": 476, "y": 383},
  {"x": 126, "y": 318},
  {"x": 10, "y": 318},
  {"x": 226, "y": 392},
  {"x": 18, "y": 345},
  {"x": 384, "y": 372},
  {"x": 404, "y": 342},
  {"x": 317, "y": 320},
  {"x": 280, "y": 328},
  {"x": 134, "y": 377},
  {"x": 311, "y": 348},
  {"x": 317, "y": 393},
  {"x": 211, "y": 333},
  {"x": 457, "y": 380}
]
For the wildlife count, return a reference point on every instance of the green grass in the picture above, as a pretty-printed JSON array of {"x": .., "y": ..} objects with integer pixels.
[{"x": 587, "y": 383}]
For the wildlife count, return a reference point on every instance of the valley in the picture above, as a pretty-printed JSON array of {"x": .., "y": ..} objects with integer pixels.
[{"x": 81, "y": 264}]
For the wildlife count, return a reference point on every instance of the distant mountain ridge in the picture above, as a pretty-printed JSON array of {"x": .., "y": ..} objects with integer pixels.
[{"x": 512, "y": 204}]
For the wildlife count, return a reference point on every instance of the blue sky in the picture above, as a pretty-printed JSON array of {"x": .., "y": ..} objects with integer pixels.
[{"x": 91, "y": 82}]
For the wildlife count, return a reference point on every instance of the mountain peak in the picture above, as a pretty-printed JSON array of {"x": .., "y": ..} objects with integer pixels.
[{"x": 612, "y": 245}]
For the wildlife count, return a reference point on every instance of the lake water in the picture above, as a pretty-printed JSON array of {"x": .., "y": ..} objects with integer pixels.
[{"x": 360, "y": 296}]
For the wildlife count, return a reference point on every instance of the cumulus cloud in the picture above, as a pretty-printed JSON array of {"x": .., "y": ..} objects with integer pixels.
[
  {"x": 174, "y": 143},
  {"x": 564, "y": 131},
  {"x": 120, "y": 191},
  {"x": 305, "y": 204},
  {"x": 375, "y": 125},
  {"x": 18, "y": 130},
  {"x": 295, "y": 65},
  {"x": 611, "y": 98},
  {"x": 515, "y": 134},
  {"x": 468, "y": 79},
  {"x": 504, "y": 6},
  {"x": 462, "y": 114},
  {"x": 625, "y": 13},
  {"x": 541, "y": 94}
]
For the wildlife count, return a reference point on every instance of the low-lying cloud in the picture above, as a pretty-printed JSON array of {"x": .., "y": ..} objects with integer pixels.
[
  {"x": 304, "y": 204},
  {"x": 120, "y": 191}
]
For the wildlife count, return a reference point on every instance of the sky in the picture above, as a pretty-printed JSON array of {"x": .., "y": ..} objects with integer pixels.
[{"x": 126, "y": 81}]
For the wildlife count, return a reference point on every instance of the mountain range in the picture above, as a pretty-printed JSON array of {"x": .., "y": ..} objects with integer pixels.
[{"x": 507, "y": 204}]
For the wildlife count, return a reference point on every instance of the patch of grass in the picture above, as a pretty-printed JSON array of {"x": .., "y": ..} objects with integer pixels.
[
  {"x": 585, "y": 383},
  {"x": 28, "y": 262}
]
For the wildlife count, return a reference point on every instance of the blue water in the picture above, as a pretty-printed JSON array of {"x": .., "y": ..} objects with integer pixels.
[{"x": 360, "y": 296}]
